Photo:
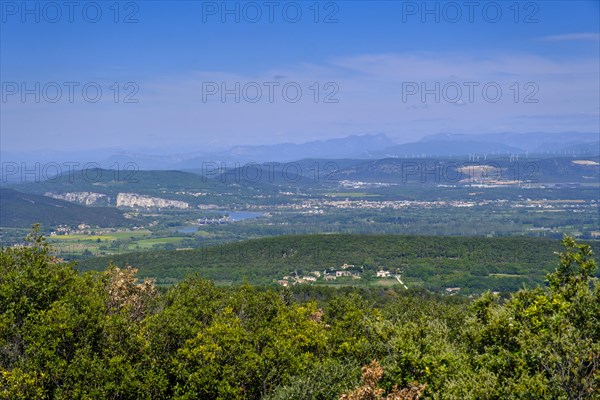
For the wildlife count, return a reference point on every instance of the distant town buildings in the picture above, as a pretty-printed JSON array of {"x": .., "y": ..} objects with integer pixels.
[
  {"x": 452, "y": 290},
  {"x": 213, "y": 220},
  {"x": 383, "y": 274},
  {"x": 344, "y": 271}
]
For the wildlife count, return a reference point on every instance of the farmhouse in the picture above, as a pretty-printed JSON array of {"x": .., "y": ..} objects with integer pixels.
[{"x": 452, "y": 290}]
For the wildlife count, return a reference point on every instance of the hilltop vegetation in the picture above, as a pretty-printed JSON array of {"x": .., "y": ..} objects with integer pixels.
[
  {"x": 111, "y": 182},
  {"x": 66, "y": 335},
  {"x": 434, "y": 263},
  {"x": 20, "y": 209},
  {"x": 432, "y": 171}
]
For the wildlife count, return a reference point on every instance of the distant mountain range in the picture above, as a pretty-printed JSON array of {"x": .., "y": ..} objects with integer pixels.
[
  {"x": 444, "y": 148},
  {"x": 355, "y": 146},
  {"x": 489, "y": 170},
  {"x": 24, "y": 204},
  {"x": 584, "y": 143},
  {"x": 366, "y": 147},
  {"x": 378, "y": 146}
]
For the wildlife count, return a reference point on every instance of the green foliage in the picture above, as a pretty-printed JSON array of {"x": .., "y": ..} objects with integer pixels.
[
  {"x": 474, "y": 264},
  {"x": 23, "y": 209},
  {"x": 67, "y": 335},
  {"x": 323, "y": 380},
  {"x": 543, "y": 341}
]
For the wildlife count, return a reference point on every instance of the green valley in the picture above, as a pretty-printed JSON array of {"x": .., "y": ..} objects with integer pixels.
[{"x": 434, "y": 263}]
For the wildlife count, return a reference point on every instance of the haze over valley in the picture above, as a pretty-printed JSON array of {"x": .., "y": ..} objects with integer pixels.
[{"x": 300, "y": 200}]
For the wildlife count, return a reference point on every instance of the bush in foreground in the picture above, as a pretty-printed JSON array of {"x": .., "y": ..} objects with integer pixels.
[{"x": 66, "y": 335}]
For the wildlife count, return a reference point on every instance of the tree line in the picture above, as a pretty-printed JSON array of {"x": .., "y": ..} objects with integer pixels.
[{"x": 65, "y": 334}]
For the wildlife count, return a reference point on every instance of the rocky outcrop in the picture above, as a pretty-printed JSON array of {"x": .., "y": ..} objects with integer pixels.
[
  {"x": 87, "y": 198},
  {"x": 137, "y": 200}
]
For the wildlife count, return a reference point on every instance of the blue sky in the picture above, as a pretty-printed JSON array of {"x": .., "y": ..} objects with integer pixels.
[{"x": 406, "y": 69}]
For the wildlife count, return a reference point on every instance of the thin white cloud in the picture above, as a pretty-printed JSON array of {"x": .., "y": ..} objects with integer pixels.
[
  {"x": 172, "y": 110},
  {"x": 573, "y": 37}
]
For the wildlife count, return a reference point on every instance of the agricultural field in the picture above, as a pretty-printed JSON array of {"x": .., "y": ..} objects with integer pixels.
[{"x": 74, "y": 246}]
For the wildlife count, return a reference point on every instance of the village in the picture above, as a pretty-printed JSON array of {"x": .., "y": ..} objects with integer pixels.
[{"x": 348, "y": 271}]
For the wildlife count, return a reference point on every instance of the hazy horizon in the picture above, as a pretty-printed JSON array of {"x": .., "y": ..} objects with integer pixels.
[{"x": 194, "y": 75}]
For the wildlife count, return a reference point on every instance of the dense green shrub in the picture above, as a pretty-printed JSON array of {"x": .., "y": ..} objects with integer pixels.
[{"x": 70, "y": 335}]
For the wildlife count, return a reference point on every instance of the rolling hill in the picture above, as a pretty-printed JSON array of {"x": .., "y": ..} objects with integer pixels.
[
  {"x": 474, "y": 264},
  {"x": 448, "y": 170},
  {"x": 111, "y": 182},
  {"x": 21, "y": 210}
]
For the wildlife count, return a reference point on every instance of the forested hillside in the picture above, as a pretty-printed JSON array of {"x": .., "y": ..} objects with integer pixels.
[
  {"x": 23, "y": 209},
  {"x": 68, "y": 335},
  {"x": 435, "y": 263}
]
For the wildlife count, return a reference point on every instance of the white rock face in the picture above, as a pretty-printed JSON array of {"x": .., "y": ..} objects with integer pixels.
[
  {"x": 138, "y": 200},
  {"x": 87, "y": 198}
]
